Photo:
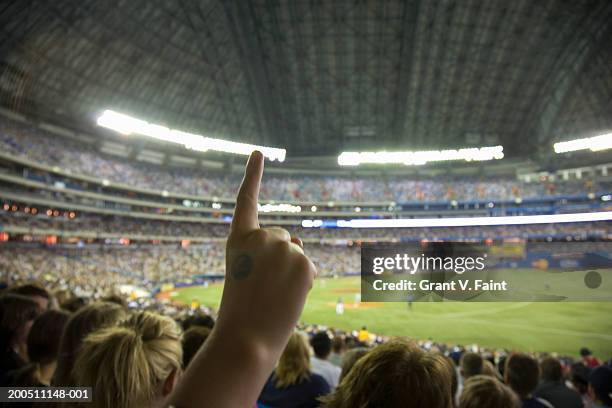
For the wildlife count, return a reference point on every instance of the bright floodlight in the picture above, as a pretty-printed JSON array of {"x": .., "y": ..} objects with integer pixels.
[
  {"x": 421, "y": 157},
  {"x": 466, "y": 221},
  {"x": 127, "y": 125},
  {"x": 596, "y": 143}
]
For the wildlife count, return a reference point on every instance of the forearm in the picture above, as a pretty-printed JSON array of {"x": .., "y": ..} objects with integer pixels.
[{"x": 229, "y": 371}]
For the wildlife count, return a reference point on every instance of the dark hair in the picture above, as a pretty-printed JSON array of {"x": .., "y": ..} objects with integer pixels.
[
  {"x": 471, "y": 364},
  {"x": 192, "y": 340},
  {"x": 350, "y": 358},
  {"x": 200, "y": 319},
  {"x": 522, "y": 374},
  {"x": 579, "y": 376},
  {"x": 397, "y": 373},
  {"x": 338, "y": 344},
  {"x": 551, "y": 369},
  {"x": 321, "y": 344},
  {"x": 30, "y": 289},
  {"x": 584, "y": 352},
  {"x": 15, "y": 311},
  {"x": 73, "y": 304},
  {"x": 87, "y": 320},
  {"x": 485, "y": 391},
  {"x": 43, "y": 346}
]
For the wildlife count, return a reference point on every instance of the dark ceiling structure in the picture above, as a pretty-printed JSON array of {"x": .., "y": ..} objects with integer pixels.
[{"x": 320, "y": 76}]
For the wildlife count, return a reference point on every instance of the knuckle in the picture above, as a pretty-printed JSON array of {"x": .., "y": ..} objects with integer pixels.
[{"x": 260, "y": 235}]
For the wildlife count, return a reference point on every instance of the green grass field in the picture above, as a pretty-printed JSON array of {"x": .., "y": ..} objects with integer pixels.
[{"x": 529, "y": 326}]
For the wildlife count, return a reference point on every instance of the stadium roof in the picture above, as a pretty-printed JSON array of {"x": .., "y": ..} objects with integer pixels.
[{"x": 319, "y": 77}]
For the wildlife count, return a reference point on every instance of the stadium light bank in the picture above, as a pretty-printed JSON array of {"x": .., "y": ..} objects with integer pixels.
[
  {"x": 595, "y": 144},
  {"x": 416, "y": 158},
  {"x": 127, "y": 125},
  {"x": 460, "y": 221}
]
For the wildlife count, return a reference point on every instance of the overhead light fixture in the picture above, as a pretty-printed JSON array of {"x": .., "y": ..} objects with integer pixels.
[
  {"x": 468, "y": 221},
  {"x": 595, "y": 143},
  {"x": 288, "y": 208},
  {"x": 128, "y": 125},
  {"x": 416, "y": 158}
]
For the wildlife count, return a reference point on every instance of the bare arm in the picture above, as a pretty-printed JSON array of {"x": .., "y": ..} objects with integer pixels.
[{"x": 267, "y": 280}]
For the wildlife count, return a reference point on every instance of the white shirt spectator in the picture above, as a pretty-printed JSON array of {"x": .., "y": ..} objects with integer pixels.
[{"x": 327, "y": 370}]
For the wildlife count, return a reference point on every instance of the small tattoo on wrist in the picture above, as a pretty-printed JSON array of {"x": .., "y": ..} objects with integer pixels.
[{"x": 241, "y": 267}]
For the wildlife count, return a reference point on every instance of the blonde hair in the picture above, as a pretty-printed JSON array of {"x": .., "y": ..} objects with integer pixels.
[
  {"x": 397, "y": 373},
  {"x": 86, "y": 320},
  {"x": 125, "y": 365},
  {"x": 486, "y": 391},
  {"x": 294, "y": 364}
]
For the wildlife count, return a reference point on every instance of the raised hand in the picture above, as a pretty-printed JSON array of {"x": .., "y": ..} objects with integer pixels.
[{"x": 267, "y": 280}]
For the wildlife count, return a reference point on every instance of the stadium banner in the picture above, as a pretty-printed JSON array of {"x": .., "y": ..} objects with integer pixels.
[{"x": 481, "y": 272}]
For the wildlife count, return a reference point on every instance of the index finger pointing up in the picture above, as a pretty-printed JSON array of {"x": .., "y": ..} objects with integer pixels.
[{"x": 245, "y": 214}]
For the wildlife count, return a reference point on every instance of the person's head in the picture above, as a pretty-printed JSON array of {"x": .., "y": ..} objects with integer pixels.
[
  {"x": 522, "y": 374},
  {"x": 134, "y": 364},
  {"x": 471, "y": 364},
  {"x": 338, "y": 344},
  {"x": 35, "y": 292},
  {"x": 45, "y": 336},
  {"x": 551, "y": 370},
  {"x": 321, "y": 344},
  {"x": 585, "y": 352},
  {"x": 600, "y": 385},
  {"x": 192, "y": 340},
  {"x": 85, "y": 321},
  {"x": 488, "y": 368},
  {"x": 115, "y": 298},
  {"x": 294, "y": 364},
  {"x": 350, "y": 358},
  {"x": 43, "y": 348},
  {"x": 17, "y": 314},
  {"x": 199, "y": 319},
  {"x": 397, "y": 373},
  {"x": 73, "y": 304},
  {"x": 579, "y": 377},
  {"x": 485, "y": 391}
]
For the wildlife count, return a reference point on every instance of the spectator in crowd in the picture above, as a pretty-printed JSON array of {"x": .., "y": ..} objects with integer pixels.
[
  {"x": 397, "y": 373},
  {"x": 17, "y": 314},
  {"x": 579, "y": 382},
  {"x": 338, "y": 350},
  {"x": 133, "y": 365},
  {"x": 36, "y": 293},
  {"x": 322, "y": 346},
  {"x": 471, "y": 364},
  {"x": 350, "y": 358},
  {"x": 43, "y": 349},
  {"x": 522, "y": 374},
  {"x": 192, "y": 340},
  {"x": 588, "y": 359},
  {"x": 552, "y": 387},
  {"x": 87, "y": 320},
  {"x": 489, "y": 369},
  {"x": 364, "y": 335},
  {"x": 484, "y": 391},
  {"x": 600, "y": 386},
  {"x": 198, "y": 319},
  {"x": 293, "y": 383}
]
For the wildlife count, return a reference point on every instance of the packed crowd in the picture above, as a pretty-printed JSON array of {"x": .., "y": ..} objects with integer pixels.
[
  {"x": 91, "y": 272},
  {"x": 132, "y": 226},
  {"x": 135, "y": 358},
  {"x": 253, "y": 352},
  {"x": 36, "y": 145}
]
